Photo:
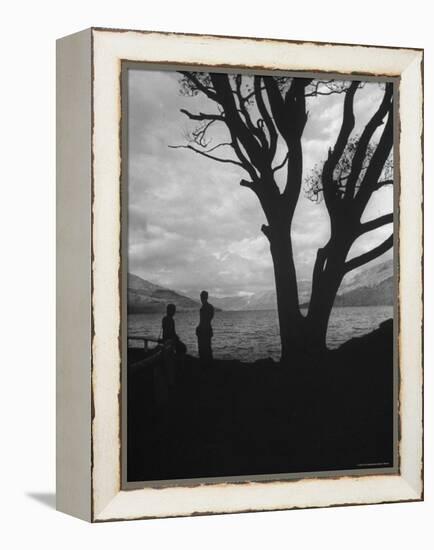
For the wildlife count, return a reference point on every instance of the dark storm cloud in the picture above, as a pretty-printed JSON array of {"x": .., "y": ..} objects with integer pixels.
[{"x": 191, "y": 225}]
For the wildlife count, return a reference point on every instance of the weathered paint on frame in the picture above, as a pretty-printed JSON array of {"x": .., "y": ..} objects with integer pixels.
[{"x": 110, "y": 49}]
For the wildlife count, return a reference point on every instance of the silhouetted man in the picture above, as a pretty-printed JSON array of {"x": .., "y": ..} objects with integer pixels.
[{"x": 204, "y": 330}]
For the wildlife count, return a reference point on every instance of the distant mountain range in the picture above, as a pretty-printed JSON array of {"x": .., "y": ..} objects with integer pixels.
[
  {"x": 380, "y": 294},
  {"x": 372, "y": 286},
  {"x": 146, "y": 297}
]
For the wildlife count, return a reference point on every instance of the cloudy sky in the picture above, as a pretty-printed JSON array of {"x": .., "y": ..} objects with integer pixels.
[{"x": 191, "y": 225}]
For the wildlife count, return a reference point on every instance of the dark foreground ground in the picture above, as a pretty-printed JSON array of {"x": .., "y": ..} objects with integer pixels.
[{"x": 328, "y": 412}]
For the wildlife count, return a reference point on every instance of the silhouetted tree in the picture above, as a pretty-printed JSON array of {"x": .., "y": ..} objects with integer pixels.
[
  {"x": 259, "y": 112},
  {"x": 256, "y": 112},
  {"x": 354, "y": 170}
]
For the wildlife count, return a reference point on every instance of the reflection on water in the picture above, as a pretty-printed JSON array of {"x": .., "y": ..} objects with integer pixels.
[{"x": 252, "y": 335}]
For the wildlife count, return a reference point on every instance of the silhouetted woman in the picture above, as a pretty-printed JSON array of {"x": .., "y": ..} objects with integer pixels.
[{"x": 204, "y": 331}]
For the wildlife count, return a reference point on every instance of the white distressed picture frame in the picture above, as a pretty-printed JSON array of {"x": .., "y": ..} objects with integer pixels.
[{"x": 88, "y": 274}]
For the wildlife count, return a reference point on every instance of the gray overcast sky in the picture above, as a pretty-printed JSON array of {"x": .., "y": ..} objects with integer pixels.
[{"x": 191, "y": 225}]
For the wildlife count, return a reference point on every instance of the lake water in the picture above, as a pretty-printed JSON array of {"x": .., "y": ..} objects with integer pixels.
[{"x": 252, "y": 335}]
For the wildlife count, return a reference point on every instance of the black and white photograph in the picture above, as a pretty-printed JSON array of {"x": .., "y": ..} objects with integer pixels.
[
  {"x": 218, "y": 229},
  {"x": 260, "y": 283}
]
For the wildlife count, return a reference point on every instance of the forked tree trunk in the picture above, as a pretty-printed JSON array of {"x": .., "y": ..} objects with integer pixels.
[
  {"x": 320, "y": 308},
  {"x": 327, "y": 277}
]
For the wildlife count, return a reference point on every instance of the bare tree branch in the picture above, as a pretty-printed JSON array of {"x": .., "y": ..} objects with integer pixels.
[
  {"x": 296, "y": 118},
  {"x": 383, "y": 183},
  {"x": 237, "y": 127},
  {"x": 241, "y": 136},
  {"x": 316, "y": 84},
  {"x": 335, "y": 154},
  {"x": 282, "y": 164},
  {"x": 314, "y": 181},
  {"x": 265, "y": 115},
  {"x": 376, "y": 223},
  {"x": 369, "y": 256},
  {"x": 362, "y": 146},
  {"x": 256, "y": 131},
  {"x": 277, "y": 104},
  {"x": 223, "y": 144},
  {"x": 202, "y": 116},
  {"x": 250, "y": 185},
  {"x": 199, "y": 86},
  {"x": 253, "y": 93},
  {"x": 373, "y": 173},
  {"x": 295, "y": 106},
  {"x": 198, "y": 135},
  {"x": 330, "y": 92},
  {"x": 345, "y": 131},
  {"x": 205, "y": 154}
]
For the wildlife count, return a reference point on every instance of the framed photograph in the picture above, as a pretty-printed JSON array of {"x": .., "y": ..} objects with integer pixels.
[{"x": 239, "y": 274}]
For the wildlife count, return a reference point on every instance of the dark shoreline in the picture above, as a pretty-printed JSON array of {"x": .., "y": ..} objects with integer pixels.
[{"x": 329, "y": 411}]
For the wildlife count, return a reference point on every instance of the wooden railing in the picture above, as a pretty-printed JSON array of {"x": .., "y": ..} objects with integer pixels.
[{"x": 145, "y": 340}]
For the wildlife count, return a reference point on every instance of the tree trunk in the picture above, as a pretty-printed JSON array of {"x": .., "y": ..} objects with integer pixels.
[
  {"x": 327, "y": 277},
  {"x": 290, "y": 318}
]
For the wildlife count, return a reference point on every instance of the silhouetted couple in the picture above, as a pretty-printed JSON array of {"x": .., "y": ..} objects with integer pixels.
[{"x": 203, "y": 330}]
